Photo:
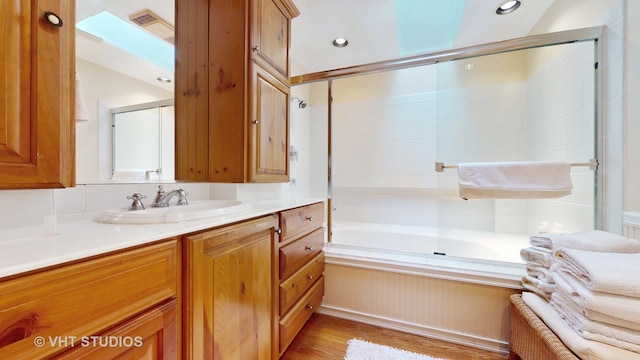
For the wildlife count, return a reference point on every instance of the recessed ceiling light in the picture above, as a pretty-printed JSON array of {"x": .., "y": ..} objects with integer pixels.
[
  {"x": 340, "y": 42},
  {"x": 163, "y": 79},
  {"x": 508, "y": 7}
]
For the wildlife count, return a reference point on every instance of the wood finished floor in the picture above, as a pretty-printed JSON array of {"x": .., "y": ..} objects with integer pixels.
[{"x": 325, "y": 337}]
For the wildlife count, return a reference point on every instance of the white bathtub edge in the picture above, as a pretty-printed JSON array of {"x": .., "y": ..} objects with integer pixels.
[
  {"x": 417, "y": 329},
  {"x": 503, "y": 276}
]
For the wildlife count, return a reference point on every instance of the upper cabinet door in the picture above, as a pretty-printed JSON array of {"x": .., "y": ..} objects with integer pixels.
[
  {"x": 269, "y": 135},
  {"x": 272, "y": 34},
  {"x": 37, "y": 68}
]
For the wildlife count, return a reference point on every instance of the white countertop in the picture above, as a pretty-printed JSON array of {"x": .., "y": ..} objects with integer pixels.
[{"x": 78, "y": 237}]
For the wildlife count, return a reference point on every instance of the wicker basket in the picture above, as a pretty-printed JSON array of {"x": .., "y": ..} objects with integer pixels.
[{"x": 530, "y": 338}]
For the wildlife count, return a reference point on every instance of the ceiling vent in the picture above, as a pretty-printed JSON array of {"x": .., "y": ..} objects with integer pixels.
[{"x": 154, "y": 24}]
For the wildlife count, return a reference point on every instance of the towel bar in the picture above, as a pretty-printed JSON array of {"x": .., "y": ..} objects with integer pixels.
[{"x": 592, "y": 164}]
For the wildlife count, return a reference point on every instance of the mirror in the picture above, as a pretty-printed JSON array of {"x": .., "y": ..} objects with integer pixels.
[
  {"x": 154, "y": 151},
  {"x": 115, "y": 75}
]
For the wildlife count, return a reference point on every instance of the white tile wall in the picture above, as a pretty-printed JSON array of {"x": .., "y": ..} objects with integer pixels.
[{"x": 25, "y": 213}]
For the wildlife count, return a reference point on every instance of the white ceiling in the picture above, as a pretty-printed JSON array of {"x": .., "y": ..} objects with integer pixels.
[{"x": 370, "y": 26}]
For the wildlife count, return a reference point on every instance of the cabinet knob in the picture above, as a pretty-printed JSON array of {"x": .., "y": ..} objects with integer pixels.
[
  {"x": 255, "y": 122},
  {"x": 309, "y": 307},
  {"x": 308, "y": 248},
  {"x": 278, "y": 231},
  {"x": 310, "y": 277},
  {"x": 52, "y": 18},
  {"x": 309, "y": 218},
  {"x": 256, "y": 48}
]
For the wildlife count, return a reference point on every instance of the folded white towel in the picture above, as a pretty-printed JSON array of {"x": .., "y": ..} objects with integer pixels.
[
  {"x": 583, "y": 348},
  {"x": 536, "y": 290},
  {"x": 570, "y": 312},
  {"x": 536, "y": 256},
  {"x": 625, "y": 338},
  {"x": 538, "y": 286},
  {"x": 540, "y": 272},
  {"x": 514, "y": 180},
  {"x": 612, "y": 273},
  {"x": 592, "y": 240},
  {"x": 589, "y": 319},
  {"x": 609, "y": 308},
  {"x": 129, "y": 175}
]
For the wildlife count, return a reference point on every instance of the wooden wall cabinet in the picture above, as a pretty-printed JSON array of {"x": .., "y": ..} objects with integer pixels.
[
  {"x": 229, "y": 301},
  {"x": 61, "y": 311},
  {"x": 37, "y": 119},
  {"x": 232, "y": 90}
]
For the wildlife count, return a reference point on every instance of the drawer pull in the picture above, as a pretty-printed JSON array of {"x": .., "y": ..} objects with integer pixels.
[
  {"x": 310, "y": 277},
  {"x": 309, "y": 218},
  {"x": 309, "y": 307},
  {"x": 308, "y": 248}
]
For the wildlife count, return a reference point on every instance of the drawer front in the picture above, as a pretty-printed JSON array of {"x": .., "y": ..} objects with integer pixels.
[
  {"x": 300, "y": 220},
  {"x": 53, "y": 307},
  {"x": 152, "y": 335},
  {"x": 294, "y": 287},
  {"x": 295, "y": 255},
  {"x": 295, "y": 319}
]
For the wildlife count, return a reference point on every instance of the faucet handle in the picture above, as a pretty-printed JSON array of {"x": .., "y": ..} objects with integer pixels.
[
  {"x": 182, "y": 197},
  {"x": 137, "y": 201}
]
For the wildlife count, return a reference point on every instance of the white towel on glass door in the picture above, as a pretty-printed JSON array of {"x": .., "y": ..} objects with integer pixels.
[{"x": 514, "y": 180}]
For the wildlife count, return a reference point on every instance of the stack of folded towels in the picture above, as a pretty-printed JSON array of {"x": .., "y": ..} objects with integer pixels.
[
  {"x": 593, "y": 283},
  {"x": 538, "y": 257}
]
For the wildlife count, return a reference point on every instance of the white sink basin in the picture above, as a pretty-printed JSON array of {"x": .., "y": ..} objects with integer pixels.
[{"x": 195, "y": 210}]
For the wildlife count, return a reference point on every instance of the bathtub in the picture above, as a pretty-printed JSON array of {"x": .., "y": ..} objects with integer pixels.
[
  {"x": 448, "y": 284},
  {"x": 420, "y": 241}
]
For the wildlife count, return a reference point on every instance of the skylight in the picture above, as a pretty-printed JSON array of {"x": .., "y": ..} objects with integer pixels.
[
  {"x": 427, "y": 26},
  {"x": 130, "y": 38}
]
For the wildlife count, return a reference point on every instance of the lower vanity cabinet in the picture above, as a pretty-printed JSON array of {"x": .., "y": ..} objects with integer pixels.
[
  {"x": 229, "y": 299},
  {"x": 301, "y": 268},
  {"x": 121, "y": 305}
]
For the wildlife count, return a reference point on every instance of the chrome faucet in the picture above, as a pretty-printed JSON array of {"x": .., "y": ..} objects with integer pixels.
[{"x": 162, "y": 199}]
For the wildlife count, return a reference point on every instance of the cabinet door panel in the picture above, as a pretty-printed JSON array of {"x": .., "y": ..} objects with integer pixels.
[
  {"x": 37, "y": 68},
  {"x": 272, "y": 36},
  {"x": 229, "y": 295},
  {"x": 269, "y": 155}
]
